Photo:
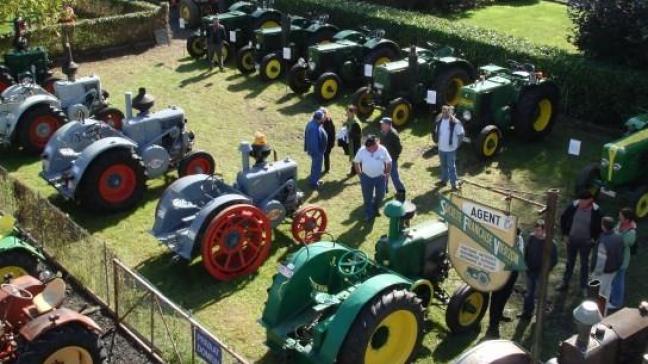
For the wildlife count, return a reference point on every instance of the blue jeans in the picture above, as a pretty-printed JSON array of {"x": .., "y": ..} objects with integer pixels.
[
  {"x": 448, "y": 168},
  {"x": 395, "y": 177},
  {"x": 316, "y": 169},
  {"x": 618, "y": 289},
  {"x": 529, "y": 297},
  {"x": 373, "y": 193}
]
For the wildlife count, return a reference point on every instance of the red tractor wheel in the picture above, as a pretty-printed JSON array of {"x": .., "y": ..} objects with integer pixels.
[
  {"x": 37, "y": 126},
  {"x": 236, "y": 242},
  {"x": 5, "y": 80},
  {"x": 309, "y": 223},
  {"x": 197, "y": 163},
  {"x": 112, "y": 116}
]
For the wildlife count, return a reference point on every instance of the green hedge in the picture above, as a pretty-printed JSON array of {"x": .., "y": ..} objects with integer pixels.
[
  {"x": 591, "y": 91},
  {"x": 134, "y": 23}
]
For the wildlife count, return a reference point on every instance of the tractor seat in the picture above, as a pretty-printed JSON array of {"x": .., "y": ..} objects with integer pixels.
[
  {"x": 7, "y": 223},
  {"x": 51, "y": 297}
]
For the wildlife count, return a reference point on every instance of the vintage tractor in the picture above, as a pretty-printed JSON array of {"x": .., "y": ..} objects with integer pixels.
[
  {"x": 239, "y": 23},
  {"x": 275, "y": 49},
  {"x": 29, "y": 115},
  {"x": 621, "y": 171},
  {"x": 399, "y": 86},
  {"x": 332, "y": 304},
  {"x": 350, "y": 58},
  {"x": 519, "y": 98},
  {"x": 191, "y": 11},
  {"x": 24, "y": 61},
  {"x": 35, "y": 328},
  {"x": 231, "y": 226},
  {"x": 105, "y": 169},
  {"x": 17, "y": 258}
]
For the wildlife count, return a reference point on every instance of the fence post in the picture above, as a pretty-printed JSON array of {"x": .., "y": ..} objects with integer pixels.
[
  {"x": 106, "y": 270},
  {"x": 152, "y": 296},
  {"x": 116, "y": 289}
]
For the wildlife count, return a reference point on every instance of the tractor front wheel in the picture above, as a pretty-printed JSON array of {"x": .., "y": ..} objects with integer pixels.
[
  {"x": 400, "y": 111},
  {"x": 245, "y": 59},
  {"x": 586, "y": 179},
  {"x": 196, "y": 46},
  {"x": 236, "y": 242},
  {"x": 536, "y": 111},
  {"x": 190, "y": 13},
  {"x": 271, "y": 67},
  {"x": 197, "y": 162},
  {"x": 37, "y": 126},
  {"x": 5, "y": 80},
  {"x": 466, "y": 309},
  {"x": 389, "y": 329},
  {"x": 111, "y": 116},
  {"x": 363, "y": 101},
  {"x": 489, "y": 142},
  {"x": 115, "y": 181},
  {"x": 640, "y": 202},
  {"x": 71, "y": 343},
  {"x": 448, "y": 85},
  {"x": 17, "y": 262},
  {"x": 327, "y": 87},
  {"x": 309, "y": 223},
  {"x": 298, "y": 79}
]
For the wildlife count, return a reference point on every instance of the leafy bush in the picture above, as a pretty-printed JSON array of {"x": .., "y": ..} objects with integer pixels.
[
  {"x": 429, "y": 5},
  {"x": 616, "y": 30},
  {"x": 592, "y": 91},
  {"x": 37, "y": 11}
]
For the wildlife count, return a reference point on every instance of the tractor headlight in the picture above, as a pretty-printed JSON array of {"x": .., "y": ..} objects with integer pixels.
[
  {"x": 605, "y": 163},
  {"x": 616, "y": 167},
  {"x": 311, "y": 65},
  {"x": 467, "y": 115}
]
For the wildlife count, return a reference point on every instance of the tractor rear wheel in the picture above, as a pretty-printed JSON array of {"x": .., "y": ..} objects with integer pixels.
[
  {"x": 111, "y": 116},
  {"x": 298, "y": 79},
  {"x": 489, "y": 142},
  {"x": 466, "y": 309},
  {"x": 448, "y": 85},
  {"x": 380, "y": 56},
  {"x": 268, "y": 20},
  {"x": 586, "y": 179},
  {"x": 37, "y": 126},
  {"x": 272, "y": 67},
  {"x": 327, "y": 87},
  {"x": 236, "y": 242},
  {"x": 536, "y": 111},
  {"x": 197, "y": 162},
  {"x": 400, "y": 111},
  {"x": 196, "y": 46},
  {"x": 190, "y": 13},
  {"x": 5, "y": 80},
  {"x": 71, "y": 343},
  {"x": 640, "y": 202},
  {"x": 322, "y": 35},
  {"x": 115, "y": 181},
  {"x": 389, "y": 329},
  {"x": 245, "y": 59},
  {"x": 48, "y": 84},
  {"x": 309, "y": 223},
  {"x": 17, "y": 262},
  {"x": 226, "y": 53},
  {"x": 363, "y": 101}
]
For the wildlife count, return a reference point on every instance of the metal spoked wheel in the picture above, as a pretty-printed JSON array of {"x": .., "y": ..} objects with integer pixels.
[{"x": 309, "y": 223}]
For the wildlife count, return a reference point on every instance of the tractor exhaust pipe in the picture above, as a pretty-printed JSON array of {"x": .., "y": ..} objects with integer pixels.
[
  {"x": 586, "y": 315},
  {"x": 129, "y": 105},
  {"x": 245, "y": 149},
  {"x": 593, "y": 288},
  {"x": 285, "y": 29}
]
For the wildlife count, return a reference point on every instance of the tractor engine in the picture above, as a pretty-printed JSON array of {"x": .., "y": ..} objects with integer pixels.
[{"x": 84, "y": 92}]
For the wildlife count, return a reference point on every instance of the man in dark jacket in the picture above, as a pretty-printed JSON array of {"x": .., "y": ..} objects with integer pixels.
[
  {"x": 391, "y": 140},
  {"x": 581, "y": 224},
  {"x": 608, "y": 257},
  {"x": 353, "y": 140},
  {"x": 215, "y": 44},
  {"x": 329, "y": 128},
  {"x": 315, "y": 142}
]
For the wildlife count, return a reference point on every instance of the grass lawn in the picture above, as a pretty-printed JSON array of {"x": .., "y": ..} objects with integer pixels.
[
  {"x": 541, "y": 22},
  {"x": 224, "y": 108}
]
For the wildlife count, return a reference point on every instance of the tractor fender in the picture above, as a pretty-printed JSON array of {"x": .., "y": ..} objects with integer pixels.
[
  {"x": 56, "y": 318},
  {"x": 25, "y": 106},
  {"x": 351, "y": 307},
  {"x": 386, "y": 43},
  {"x": 444, "y": 62},
  {"x": 324, "y": 27},
  {"x": 91, "y": 152},
  {"x": 11, "y": 243},
  {"x": 258, "y": 13}
]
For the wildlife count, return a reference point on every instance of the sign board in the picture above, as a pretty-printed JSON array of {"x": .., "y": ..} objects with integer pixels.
[
  {"x": 368, "y": 70},
  {"x": 182, "y": 23},
  {"x": 232, "y": 36},
  {"x": 287, "y": 53},
  {"x": 431, "y": 97},
  {"x": 481, "y": 243},
  {"x": 574, "y": 147},
  {"x": 207, "y": 348}
]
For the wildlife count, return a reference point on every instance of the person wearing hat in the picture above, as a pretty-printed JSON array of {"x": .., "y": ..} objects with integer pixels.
[
  {"x": 315, "y": 144},
  {"x": 373, "y": 164},
  {"x": 260, "y": 149},
  {"x": 329, "y": 128},
  {"x": 215, "y": 43},
  {"x": 391, "y": 140}
]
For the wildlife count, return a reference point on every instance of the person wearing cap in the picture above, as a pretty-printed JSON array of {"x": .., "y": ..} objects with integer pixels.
[
  {"x": 329, "y": 128},
  {"x": 315, "y": 143},
  {"x": 581, "y": 224},
  {"x": 354, "y": 136},
  {"x": 373, "y": 165},
  {"x": 215, "y": 43},
  {"x": 391, "y": 140},
  {"x": 260, "y": 149},
  {"x": 448, "y": 134}
]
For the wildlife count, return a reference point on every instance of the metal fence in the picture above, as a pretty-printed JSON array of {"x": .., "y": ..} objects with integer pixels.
[{"x": 162, "y": 328}]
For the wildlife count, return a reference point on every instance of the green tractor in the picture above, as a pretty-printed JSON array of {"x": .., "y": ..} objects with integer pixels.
[
  {"x": 518, "y": 98},
  {"x": 332, "y": 304},
  {"x": 622, "y": 170},
  {"x": 275, "y": 48},
  {"x": 17, "y": 258},
  {"x": 398, "y": 86},
  {"x": 191, "y": 11},
  {"x": 239, "y": 23},
  {"x": 24, "y": 61},
  {"x": 348, "y": 60}
]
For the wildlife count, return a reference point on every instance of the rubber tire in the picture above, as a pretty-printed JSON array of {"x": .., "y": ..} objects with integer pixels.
[
  {"x": 636, "y": 196},
  {"x": 71, "y": 334},
  {"x": 270, "y": 16},
  {"x": 454, "y": 308},
  {"x": 481, "y": 138},
  {"x": 443, "y": 81},
  {"x": 298, "y": 79},
  {"x": 246, "y": 49},
  {"x": 193, "y": 49},
  {"x": 103, "y": 114},
  {"x": 358, "y": 338},
  {"x": 586, "y": 176},
  {"x": 184, "y": 163},
  {"x": 378, "y": 53},
  {"x": 87, "y": 190},
  {"x": 194, "y": 13},
  {"x": 391, "y": 109},
  {"x": 264, "y": 63},
  {"x": 22, "y": 132},
  {"x": 524, "y": 111},
  {"x": 356, "y": 100},
  {"x": 19, "y": 258},
  {"x": 317, "y": 89},
  {"x": 5, "y": 81}
]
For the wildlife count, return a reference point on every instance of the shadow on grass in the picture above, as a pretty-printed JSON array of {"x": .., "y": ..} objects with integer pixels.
[
  {"x": 251, "y": 84},
  {"x": 467, "y": 14},
  {"x": 451, "y": 345}
]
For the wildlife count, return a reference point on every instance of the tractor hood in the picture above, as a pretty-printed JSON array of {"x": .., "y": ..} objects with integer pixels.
[
  {"x": 636, "y": 123},
  {"x": 623, "y": 161},
  {"x": 79, "y": 92},
  {"x": 260, "y": 182}
]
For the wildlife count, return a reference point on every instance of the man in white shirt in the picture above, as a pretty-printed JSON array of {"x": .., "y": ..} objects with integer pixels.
[
  {"x": 373, "y": 164},
  {"x": 449, "y": 135}
]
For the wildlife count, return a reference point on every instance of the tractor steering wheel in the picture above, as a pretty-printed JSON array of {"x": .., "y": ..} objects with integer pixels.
[
  {"x": 353, "y": 263},
  {"x": 17, "y": 292}
]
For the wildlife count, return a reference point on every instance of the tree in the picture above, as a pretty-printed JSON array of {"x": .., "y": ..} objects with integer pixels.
[
  {"x": 40, "y": 12},
  {"x": 614, "y": 30}
]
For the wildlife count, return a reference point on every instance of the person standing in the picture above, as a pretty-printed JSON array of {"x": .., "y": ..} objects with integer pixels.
[
  {"x": 215, "y": 43},
  {"x": 608, "y": 257},
  {"x": 354, "y": 135},
  {"x": 448, "y": 133},
  {"x": 315, "y": 142},
  {"x": 329, "y": 128},
  {"x": 391, "y": 140},
  {"x": 581, "y": 224},
  {"x": 67, "y": 19},
  {"x": 627, "y": 228},
  {"x": 373, "y": 164}
]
